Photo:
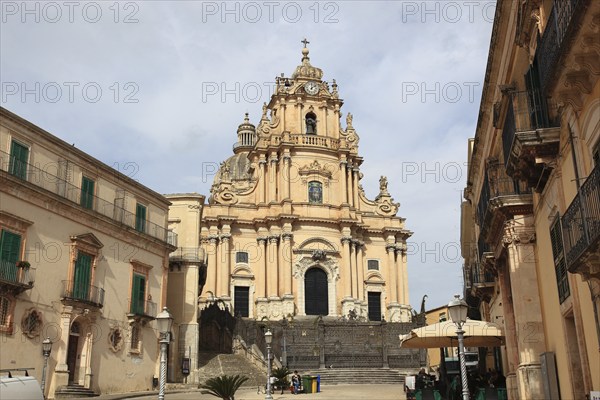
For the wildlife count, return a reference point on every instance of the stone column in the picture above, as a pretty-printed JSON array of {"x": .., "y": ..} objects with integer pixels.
[
  {"x": 61, "y": 372},
  {"x": 262, "y": 188},
  {"x": 345, "y": 267},
  {"x": 405, "y": 294},
  {"x": 286, "y": 176},
  {"x": 213, "y": 270},
  {"x": 261, "y": 282},
  {"x": 355, "y": 186},
  {"x": 392, "y": 278},
  {"x": 225, "y": 263},
  {"x": 272, "y": 266},
  {"x": 360, "y": 267},
  {"x": 519, "y": 238},
  {"x": 286, "y": 250},
  {"x": 510, "y": 333},
  {"x": 349, "y": 185},
  {"x": 273, "y": 177},
  {"x": 353, "y": 269},
  {"x": 343, "y": 182}
]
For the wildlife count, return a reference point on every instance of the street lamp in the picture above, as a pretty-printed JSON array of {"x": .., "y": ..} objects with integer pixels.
[
  {"x": 164, "y": 321},
  {"x": 457, "y": 309},
  {"x": 268, "y": 340},
  {"x": 46, "y": 350}
]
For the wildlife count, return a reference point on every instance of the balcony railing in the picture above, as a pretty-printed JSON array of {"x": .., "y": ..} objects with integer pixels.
[
  {"x": 18, "y": 278},
  {"x": 44, "y": 179},
  {"x": 146, "y": 309},
  {"x": 83, "y": 292},
  {"x": 552, "y": 44},
  {"x": 494, "y": 188},
  {"x": 581, "y": 222},
  {"x": 190, "y": 254}
]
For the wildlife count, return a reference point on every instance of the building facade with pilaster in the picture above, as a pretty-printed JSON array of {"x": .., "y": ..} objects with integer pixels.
[
  {"x": 84, "y": 253},
  {"x": 288, "y": 230},
  {"x": 531, "y": 216}
]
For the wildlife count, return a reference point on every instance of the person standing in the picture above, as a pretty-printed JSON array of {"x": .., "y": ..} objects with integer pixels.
[{"x": 296, "y": 382}]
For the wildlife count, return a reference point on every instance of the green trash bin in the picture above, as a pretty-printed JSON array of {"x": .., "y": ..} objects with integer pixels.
[{"x": 307, "y": 384}]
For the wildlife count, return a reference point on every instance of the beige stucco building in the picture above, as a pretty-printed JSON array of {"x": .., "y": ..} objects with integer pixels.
[
  {"x": 83, "y": 261},
  {"x": 530, "y": 225},
  {"x": 288, "y": 230}
]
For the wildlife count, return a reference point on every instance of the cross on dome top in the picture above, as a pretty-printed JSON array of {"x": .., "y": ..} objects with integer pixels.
[{"x": 306, "y": 70}]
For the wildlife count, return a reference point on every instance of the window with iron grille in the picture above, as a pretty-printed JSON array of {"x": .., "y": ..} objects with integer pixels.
[
  {"x": 241, "y": 301},
  {"x": 5, "y": 304},
  {"x": 135, "y": 338},
  {"x": 241, "y": 257},
  {"x": 560, "y": 266},
  {"x": 373, "y": 265}
]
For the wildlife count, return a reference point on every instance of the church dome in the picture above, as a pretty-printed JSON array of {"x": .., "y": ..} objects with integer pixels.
[
  {"x": 236, "y": 169},
  {"x": 306, "y": 70}
]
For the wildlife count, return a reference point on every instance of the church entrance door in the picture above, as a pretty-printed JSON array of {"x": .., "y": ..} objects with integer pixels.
[{"x": 316, "y": 297}]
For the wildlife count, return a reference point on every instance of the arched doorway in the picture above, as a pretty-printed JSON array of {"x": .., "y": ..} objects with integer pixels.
[
  {"x": 316, "y": 296},
  {"x": 73, "y": 349}
]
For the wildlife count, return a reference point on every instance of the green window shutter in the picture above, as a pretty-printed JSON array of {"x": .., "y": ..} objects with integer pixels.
[
  {"x": 562, "y": 280},
  {"x": 140, "y": 218},
  {"x": 138, "y": 294},
  {"x": 81, "y": 280},
  {"x": 87, "y": 193},
  {"x": 10, "y": 251},
  {"x": 18, "y": 160}
]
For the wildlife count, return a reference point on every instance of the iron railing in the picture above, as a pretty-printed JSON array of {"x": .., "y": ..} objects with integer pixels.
[
  {"x": 553, "y": 41},
  {"x": 495, "y": 187},
  {"x": 527, "y": 111},
  {"x": 143, "y": 308},
  {"x": 45, "y": 179},
  {"x": 11, "y": 273},
  {"x": 83, "y": 292},
  {"x": 581, "y": 222}
]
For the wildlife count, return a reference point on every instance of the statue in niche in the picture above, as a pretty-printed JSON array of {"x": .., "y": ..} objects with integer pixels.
[{"x": 311, "y": 124}]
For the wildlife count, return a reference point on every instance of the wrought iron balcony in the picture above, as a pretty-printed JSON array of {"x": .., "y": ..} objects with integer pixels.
[
  {"x": 43, "y": 178},
  {"x": 581, "y": 227},
  {"x": 561, "y": 24},
  {"x": 501, "y": 198},
  {"x": 82, "y": 292},
  {"x": 530, "y": 136},
  {"x": 142, "y": 310},
  {"x": 17, "y": 277}
]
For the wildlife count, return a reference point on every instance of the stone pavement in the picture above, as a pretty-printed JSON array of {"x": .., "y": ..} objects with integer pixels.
[{"x": 330, "y": 392}]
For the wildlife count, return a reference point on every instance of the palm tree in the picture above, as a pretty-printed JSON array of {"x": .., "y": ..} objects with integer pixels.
[
  {"x": 281, "y": 376},
  {"x": 224, "y": 386}
]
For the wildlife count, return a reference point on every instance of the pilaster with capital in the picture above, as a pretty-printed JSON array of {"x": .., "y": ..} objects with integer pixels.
[
  {"x": 272, "y": 266},
  {"x": 359, "y": 244},
  {"x": 392, "y": 276},
  {"x": 286, "y": 250},
  {"x": 344, "y": 181},
  {"x": 261, "y": 287},
  {"x": 349, "y": 184},
  {"x": 346, "y": 268},
  {"x": 287, "y": 160},
  {"x": 263, "y": 177},
  {"x": 355, "y": 174},
  {"x": 225, "y": 262},
  {"x": 273, "y": 160},
  {"x": 353, "y": 269},
  {"x": 519, "y": 241},
  {"x": 211, "y": 273}
]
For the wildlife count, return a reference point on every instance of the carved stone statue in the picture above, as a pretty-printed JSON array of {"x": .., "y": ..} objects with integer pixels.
[
  {"x": 349, "y": 121},
  {"x": 383, "y": 184}
]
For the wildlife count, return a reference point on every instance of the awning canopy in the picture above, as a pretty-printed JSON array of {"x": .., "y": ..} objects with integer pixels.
[{"x": 443, "y": 334}]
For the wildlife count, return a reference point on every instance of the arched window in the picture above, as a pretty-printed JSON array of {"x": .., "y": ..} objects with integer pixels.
[
  {"x": 311, "y": 124},
  {"x": 315, "y": 192},
  {"x": 316, "y": 296}
]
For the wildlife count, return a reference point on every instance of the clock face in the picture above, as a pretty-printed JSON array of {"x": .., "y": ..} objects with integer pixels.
[{"x": 311, "y": 87}]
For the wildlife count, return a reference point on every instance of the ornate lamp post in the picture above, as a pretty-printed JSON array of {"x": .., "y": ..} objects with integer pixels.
[
  {"x": 457, "y": 309},
  {"x": 46, "y": 350},
  {"x": 268, "y": 340},
  {"x": 164, "y": 321}
]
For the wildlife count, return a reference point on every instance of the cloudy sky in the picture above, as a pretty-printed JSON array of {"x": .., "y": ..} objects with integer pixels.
[{"x": 157, "y": 89}]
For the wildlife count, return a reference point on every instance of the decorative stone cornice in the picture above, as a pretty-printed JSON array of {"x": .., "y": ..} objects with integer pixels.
[{"x": 515, "y": 233}]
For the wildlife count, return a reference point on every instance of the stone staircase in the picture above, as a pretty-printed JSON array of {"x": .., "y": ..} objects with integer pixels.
[
  {"x": 217, "y": 364},
  {"x": 336, "y": 376},
  {"x": 73, "y": 392}
]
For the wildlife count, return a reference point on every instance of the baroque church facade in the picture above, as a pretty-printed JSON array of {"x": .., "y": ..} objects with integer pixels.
[{"x": 288, "y": 230}]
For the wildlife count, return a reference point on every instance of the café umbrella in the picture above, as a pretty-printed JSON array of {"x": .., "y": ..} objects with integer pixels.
[{"x": 443, "y": 334}]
